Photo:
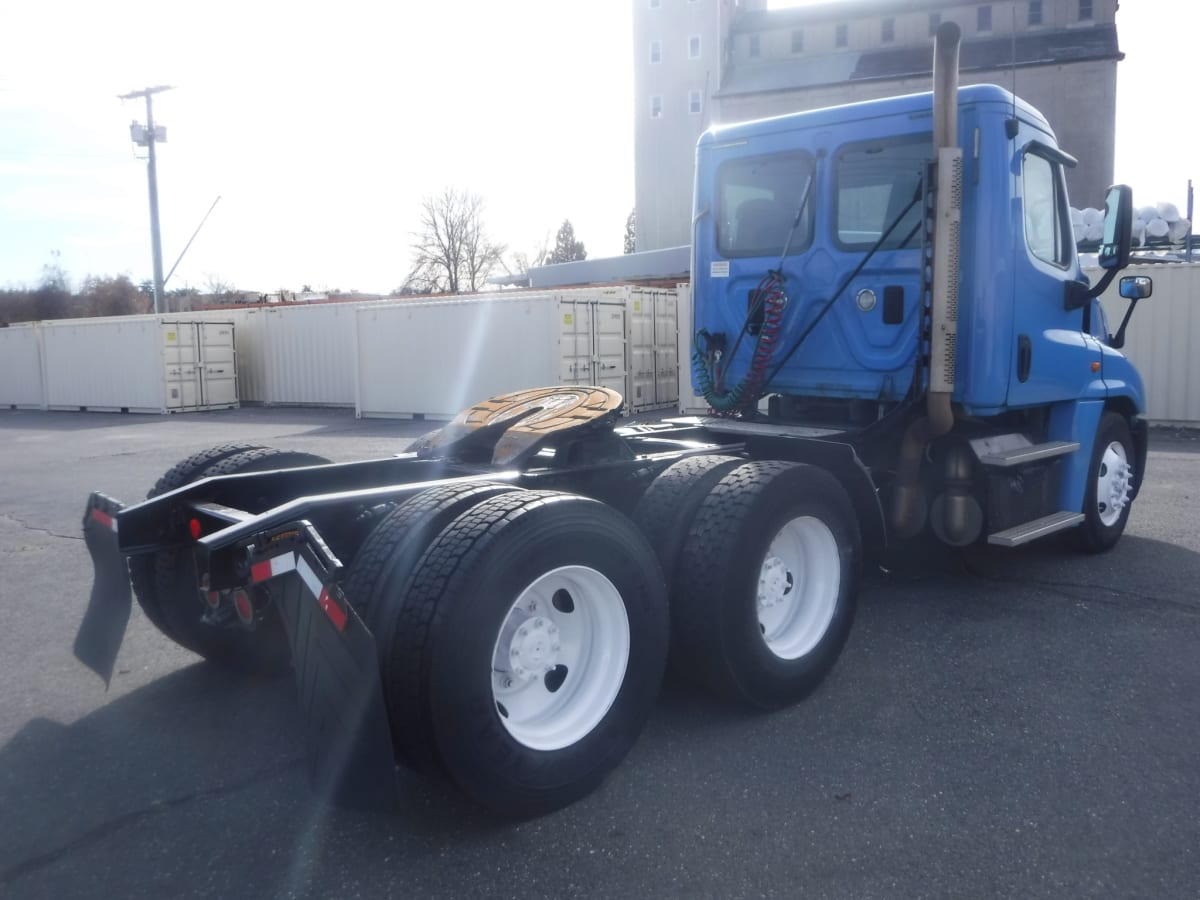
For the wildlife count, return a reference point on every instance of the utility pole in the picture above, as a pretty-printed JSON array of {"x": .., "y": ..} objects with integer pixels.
[{"x": 148, "y": 137}]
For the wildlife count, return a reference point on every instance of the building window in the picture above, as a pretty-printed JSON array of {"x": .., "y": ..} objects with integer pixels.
[
  {"x": 656, "y": 107},
  {"x": 841, "y": 35},
  {"x": 694, "y": 47},
  {"x": 656, "y": 51},
  {"x": 1035, "y": 12},
  {"x": 754, "y": 48},
  {"x": 695, "y": 102},
  {"x": 935, "y": 19},
  {"x": 798, "y": 40},
  {"x": 983, "y": 19},
  {"x": 888, "y": 30},
  {"x": 1085, "y": 9}
]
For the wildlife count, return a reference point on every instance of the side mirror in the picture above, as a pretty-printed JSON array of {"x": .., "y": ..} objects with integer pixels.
[
  {"x": 1118, "y": 228},
  {"x": 1136, "y": 287},
  {"x": 1133, "y": 288}
]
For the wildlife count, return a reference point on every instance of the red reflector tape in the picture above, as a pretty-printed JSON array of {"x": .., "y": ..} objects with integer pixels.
[
  {"x": 269, "y": 568},
  {"x": 336, "y": 614},
  {"x": 104, "y": 518}
]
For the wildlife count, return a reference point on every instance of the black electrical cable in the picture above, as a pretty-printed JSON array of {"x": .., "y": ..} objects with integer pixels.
[{"x": 845, "y": 284}]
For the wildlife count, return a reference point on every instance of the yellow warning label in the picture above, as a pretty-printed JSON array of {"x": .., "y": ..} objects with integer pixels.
[
  {"x": 568, "y": 318},
  {"x": 637, "y": 305},
  {"x": 170, "y": 335}
]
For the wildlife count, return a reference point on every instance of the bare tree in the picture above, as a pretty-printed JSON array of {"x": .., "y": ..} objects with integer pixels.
[
  {"x": 520, "y": 262},
  {"x": 451, "y": 251},
  {"x": 631, "y": 231}
]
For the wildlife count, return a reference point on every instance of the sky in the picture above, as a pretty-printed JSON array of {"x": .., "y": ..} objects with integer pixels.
[{"x": 321, "y": 127}]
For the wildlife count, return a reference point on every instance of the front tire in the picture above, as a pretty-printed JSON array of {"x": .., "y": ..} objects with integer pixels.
[
  {"x": 1111, "y": 477},
  {"x": 767, "y": 583},
  {"x": 539, "y": 622}
]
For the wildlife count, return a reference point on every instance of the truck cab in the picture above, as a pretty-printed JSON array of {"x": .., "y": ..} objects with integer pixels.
[{"x": 818, "y": 237}]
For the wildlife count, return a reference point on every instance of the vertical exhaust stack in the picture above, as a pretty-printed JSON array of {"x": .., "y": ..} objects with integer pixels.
[{"x": 909, "y": 507}]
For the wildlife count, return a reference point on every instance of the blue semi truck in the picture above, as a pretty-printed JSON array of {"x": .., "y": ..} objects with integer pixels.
[{"x": 897, "y": 343}]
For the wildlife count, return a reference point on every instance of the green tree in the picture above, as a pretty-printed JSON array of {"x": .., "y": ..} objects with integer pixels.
[{"x": 566, "y": 248}]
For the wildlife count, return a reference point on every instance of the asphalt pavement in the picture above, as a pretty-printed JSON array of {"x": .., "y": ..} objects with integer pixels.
[{"x": 1002, "y": 724}]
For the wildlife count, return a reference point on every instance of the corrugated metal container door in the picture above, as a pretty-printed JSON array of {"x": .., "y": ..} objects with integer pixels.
[
  {"x": 575, "y": 342},
  {"x": 437, "y": 358},
  {"x": 609, "y": 330},
  {"x": 218, "y": 364},
  {"x": 181, "y": 364},
  {"x": 666, "y": 355},
  {"x": 21, "y": 384},
  {"x": 105, "y": 364},
  {"x": 1162, "y": 337},
  {"x": 641, "y": 392},
  {"x": 309, "y": 355}
]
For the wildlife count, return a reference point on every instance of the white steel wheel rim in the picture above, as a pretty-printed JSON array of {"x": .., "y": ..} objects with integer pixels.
[
  {"x": 798, "y": 587},
  {"x": 560, "y": 658},
  {"x": 1112, "y": 483}
]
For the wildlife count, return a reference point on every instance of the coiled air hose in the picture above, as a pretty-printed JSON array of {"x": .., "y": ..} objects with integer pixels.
[{"x": 709, "y": 367}]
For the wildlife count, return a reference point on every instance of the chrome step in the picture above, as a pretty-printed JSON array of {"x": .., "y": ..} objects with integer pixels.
[
  {"x": 1029, "y": 531},
  {"x": 1015, "y": 456},
  {"x": 734, "y": 426}
]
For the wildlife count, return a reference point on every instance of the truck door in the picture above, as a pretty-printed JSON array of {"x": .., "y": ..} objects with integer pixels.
[{"x": 1051, "y": 356}]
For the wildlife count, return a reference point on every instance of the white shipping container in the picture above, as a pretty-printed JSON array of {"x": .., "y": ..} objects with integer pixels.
[
  {"x": 1162, "y": 337},
  {"x": 304, "y": 355},
  {"x": 436, "y": 358},
  {"x": 139, "y": 364},
  {"x": 652, "y": 359},
  {"x": 21, "y": 383}
]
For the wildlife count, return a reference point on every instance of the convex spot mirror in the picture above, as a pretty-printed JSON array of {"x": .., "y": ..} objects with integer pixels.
[
  {"x": 1137, "y": 287},
  {"x": 1118, "y": 227}
]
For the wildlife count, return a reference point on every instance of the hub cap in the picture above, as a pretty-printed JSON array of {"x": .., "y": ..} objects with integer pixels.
[
  {"x": 1113, "y": 482},
  {"x": 560, "y": 657},
  {"x": 798, "y": 587}
]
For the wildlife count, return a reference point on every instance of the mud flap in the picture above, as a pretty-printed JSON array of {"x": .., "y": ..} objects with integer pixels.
[
  {"x": 350, "y": 757},
  {"x": 103, "y": 627}
]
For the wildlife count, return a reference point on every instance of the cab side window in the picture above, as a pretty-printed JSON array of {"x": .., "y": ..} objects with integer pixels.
[{"x": 1047, "y": 228}]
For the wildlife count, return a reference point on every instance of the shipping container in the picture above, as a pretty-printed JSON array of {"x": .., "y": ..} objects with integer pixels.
[
  {"x": 304, "y": 355},
  {"x": 436, "y": 358},
  {"x": 22, "y": 385},
  {"x": 652, "y": 360},
  {"x": 1162, "y": 338},
  {"x": 151, "y": 364}
]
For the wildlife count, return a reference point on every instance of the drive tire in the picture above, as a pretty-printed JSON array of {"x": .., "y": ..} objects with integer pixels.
[
  {"x": 383, "y": 566},
  {"x": 263, "y": 650},
  {"x": 512, "y": 561},
  {"x": 142, "y": 568},
  {"x": 742, "y": 627}
]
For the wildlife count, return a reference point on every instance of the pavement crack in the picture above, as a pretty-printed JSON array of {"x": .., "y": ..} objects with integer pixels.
[
  {"x": 34, "y": 528},
  {"x": 1071, "y": 590},
  {"x": 134, "y": 817}
]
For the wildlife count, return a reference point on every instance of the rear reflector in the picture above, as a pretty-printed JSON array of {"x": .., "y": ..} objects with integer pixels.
[
  {"x": 104, "y": 518},
  {"x": 336, "y": 614},
  {"x": 194, "y": 528},
  {"x": 241, "y": 603}
]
